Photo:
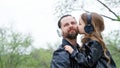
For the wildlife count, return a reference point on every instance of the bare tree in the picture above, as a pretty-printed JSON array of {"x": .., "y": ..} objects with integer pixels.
[
  {"x": 117, "y": 16},
  {"x": 67, "y": 6}
]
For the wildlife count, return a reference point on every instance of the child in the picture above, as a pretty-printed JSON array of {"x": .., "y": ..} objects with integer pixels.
[{"x": 94, "y": 53}]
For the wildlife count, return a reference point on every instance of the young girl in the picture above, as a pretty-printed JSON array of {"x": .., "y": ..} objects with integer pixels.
[{"x": 94, "y": 53}]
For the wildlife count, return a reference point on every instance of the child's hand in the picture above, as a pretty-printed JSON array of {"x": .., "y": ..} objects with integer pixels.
[{"x": 68, "y": 48}]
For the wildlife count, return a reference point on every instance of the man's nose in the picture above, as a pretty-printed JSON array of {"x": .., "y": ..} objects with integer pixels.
[{"x": 70, "y": 26}]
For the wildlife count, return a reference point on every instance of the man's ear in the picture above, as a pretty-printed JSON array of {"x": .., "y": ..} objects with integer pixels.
[{"x": 59, "y": 32}]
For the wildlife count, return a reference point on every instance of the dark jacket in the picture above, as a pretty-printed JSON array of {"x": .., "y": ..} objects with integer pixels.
[
  {"x": 62, "y": 59},
  {"x": 92, "y": 56}
]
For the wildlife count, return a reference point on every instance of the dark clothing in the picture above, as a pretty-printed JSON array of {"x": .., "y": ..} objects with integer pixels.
[
  {"x": 61, "y": 58},
  {"x": 91, "y": 56}
]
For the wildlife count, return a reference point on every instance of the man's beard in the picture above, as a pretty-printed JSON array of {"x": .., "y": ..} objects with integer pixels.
[{"x": 72, "y": 35}]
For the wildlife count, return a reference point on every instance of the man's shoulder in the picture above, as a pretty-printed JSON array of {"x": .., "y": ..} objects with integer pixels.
[
  {"x": 60, "y": 59},
  {"x": 60, "y": 55},
  {"x": 59, "y": 50}
]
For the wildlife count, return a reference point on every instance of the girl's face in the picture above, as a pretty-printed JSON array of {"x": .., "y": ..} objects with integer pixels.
[{"x": 81, "y": 26}]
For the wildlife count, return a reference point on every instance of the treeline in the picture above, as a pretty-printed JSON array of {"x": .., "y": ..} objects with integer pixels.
[{"x": 16, "y": 50}]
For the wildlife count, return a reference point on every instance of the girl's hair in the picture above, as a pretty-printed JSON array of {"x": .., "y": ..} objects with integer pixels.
[{"x": 98, "y": 24}]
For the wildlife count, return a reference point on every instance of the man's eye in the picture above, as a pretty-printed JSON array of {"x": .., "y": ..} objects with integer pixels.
[
  {"x": 72, "y": 22},
  {"x": 66, "y": 24}
]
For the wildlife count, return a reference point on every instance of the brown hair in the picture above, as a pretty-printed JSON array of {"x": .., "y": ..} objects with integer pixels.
[
  {"x": 98, "y": 24},
  {"x": 59, "y": 21}
]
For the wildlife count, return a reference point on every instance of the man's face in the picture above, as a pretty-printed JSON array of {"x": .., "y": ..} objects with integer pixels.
[{"x": 69, "y": 27}]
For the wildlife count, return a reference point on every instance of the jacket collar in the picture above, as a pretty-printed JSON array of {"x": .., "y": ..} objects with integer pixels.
[{"x": 65, "y": 42}]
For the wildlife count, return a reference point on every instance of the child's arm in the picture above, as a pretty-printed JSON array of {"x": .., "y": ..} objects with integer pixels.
[
  {"x": 68, "y": 48},
  {"x": 90, "y": 58}
]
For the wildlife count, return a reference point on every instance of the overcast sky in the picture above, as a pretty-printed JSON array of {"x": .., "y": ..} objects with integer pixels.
[{"x": 32, "y": 16}]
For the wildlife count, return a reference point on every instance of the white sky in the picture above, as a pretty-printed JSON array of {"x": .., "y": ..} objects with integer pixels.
[
  {"x": 34, "y": 17},
  {"x": 30, "y": 16}
]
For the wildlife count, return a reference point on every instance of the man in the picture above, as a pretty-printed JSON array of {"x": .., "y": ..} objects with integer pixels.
[{"x": 61, "y": 58}]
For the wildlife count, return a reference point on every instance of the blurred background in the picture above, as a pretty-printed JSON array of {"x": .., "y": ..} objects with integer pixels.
[{"x": 28, "y": 29}]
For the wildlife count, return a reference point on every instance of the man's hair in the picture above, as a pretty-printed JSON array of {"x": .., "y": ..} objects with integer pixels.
[{"x": 59, "y": 22}]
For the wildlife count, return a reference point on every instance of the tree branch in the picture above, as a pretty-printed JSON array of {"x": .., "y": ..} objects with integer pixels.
[
  {"x": 109, "y": 9},
  {"x": 103, "y": 16},
  {"x": 109, "y": 17}
]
